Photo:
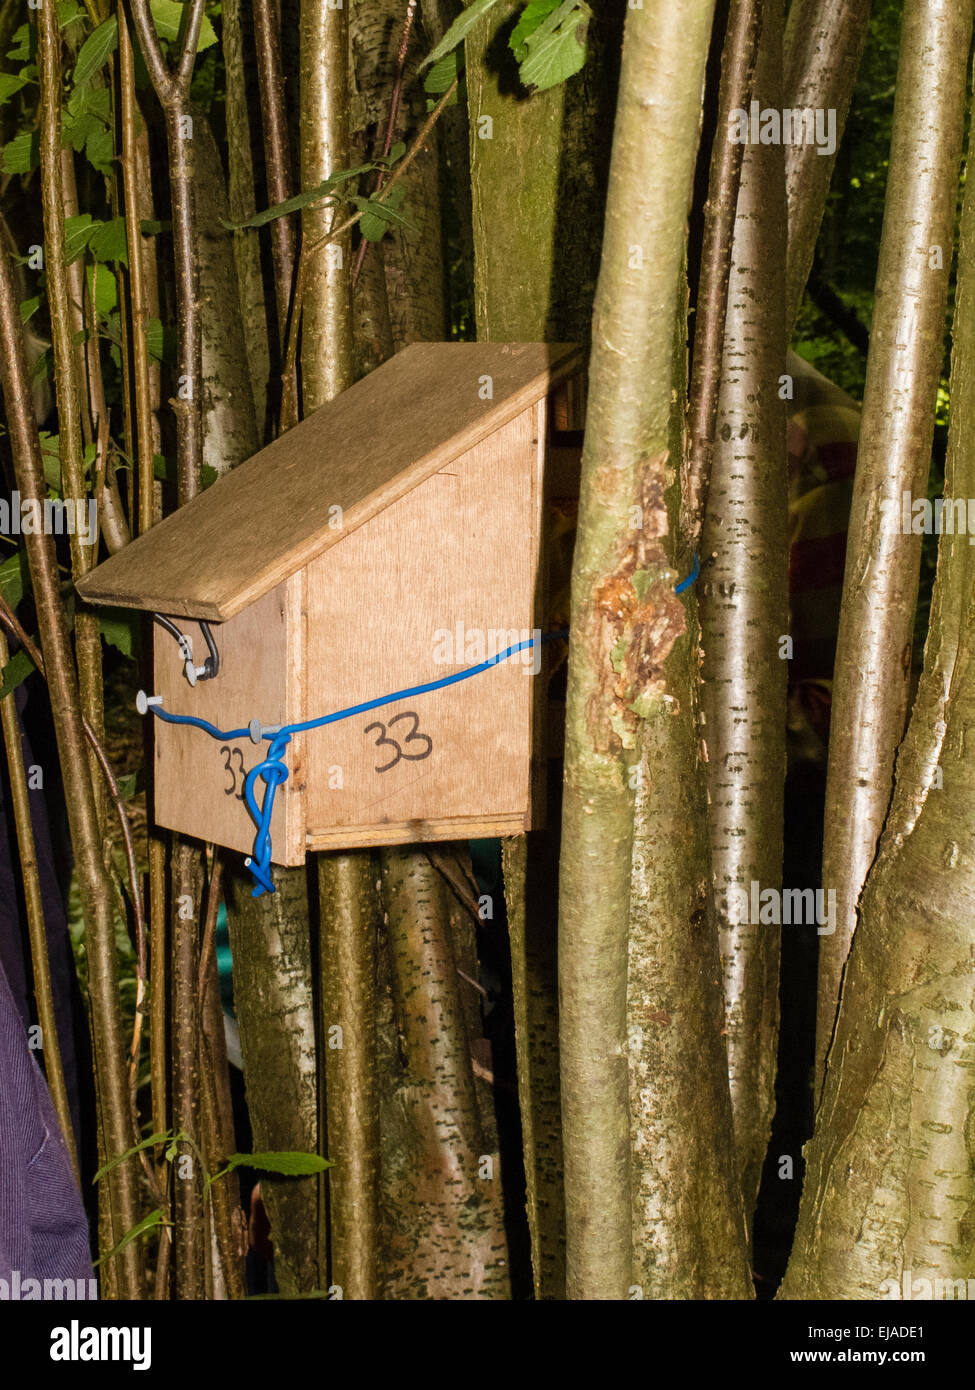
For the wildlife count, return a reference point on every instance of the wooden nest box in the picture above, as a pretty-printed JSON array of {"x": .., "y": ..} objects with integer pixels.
[{"x": 393, "y": 538}]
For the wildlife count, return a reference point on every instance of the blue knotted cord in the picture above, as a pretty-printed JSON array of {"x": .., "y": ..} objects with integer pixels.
[{"x": 273, "y": 770}]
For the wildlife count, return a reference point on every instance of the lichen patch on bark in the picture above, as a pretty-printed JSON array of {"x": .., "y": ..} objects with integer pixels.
[{"x": 634, "y": 619}]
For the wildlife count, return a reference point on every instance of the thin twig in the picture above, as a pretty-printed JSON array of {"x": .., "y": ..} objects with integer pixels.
[{"x": 390, "y": 124}]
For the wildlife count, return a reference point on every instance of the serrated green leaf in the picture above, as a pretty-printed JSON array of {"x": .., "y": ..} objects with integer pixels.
[
  {"x": 108, "y": 242},
  {"x": 105, "y": 287},
  {"x": 95, "y": 100},
  {"x": 300, "y": 200},
  {"x": 23, "y": 153},
  {"x": 530, "y": 19},
  {"x": 25, "y": 39},
  {"x": 148, "y": 1223},
  {"x": 29, "y": 308},
  {"x": 68, "y": 12},
  {"x": 291, "y": 1165},
  {"x": 17, "y": 669},
  {"x": 120, "y": 629},
  {"x": 14, "y": 577},
  {"x": 557, "y": 48},
  {"x": 458, "y": 31},
  {"x": 167, "y": 16},
  {"x": 377, "y": 217},
  {"x": 10, "y": 84},
  {"x": 96, "y": 50},
  {"x": 100, "y": 151},
  {"x": 77, "y": 233},
  {"x": 441, "y": 76},
  {"x": 75, "y": 130},
  {"x": 126, "y": 785}
]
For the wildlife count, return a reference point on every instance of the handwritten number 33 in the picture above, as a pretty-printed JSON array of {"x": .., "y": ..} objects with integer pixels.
[{"x": 411, "y": 737}]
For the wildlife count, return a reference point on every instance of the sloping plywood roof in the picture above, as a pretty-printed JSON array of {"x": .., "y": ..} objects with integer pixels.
[{"x": 375, "y": 442}]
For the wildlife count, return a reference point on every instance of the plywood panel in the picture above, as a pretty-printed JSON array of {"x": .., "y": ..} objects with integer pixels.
[
  {"x": 199, "y": 780},
  {"x": 457, "y": 556},
  {"x": 360, "y": 453}
]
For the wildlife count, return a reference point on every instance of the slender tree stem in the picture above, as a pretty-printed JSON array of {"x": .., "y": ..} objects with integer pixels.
[
  {"x": 20, "y": 799},
  {"x": 737, "y": 69},
  {"x": 873, "y": 652},
  {"x": 111, "y": 1083},
  {"x": 277, "y": 158},
  {"x": 617, "y": 647}
]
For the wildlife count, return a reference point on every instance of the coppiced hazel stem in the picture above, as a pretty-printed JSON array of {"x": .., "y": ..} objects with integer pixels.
[
  {"x": 873, "y": 653},
  {"x": 142, "y": 386},
  {"x": 821, "y": 57},
  {"x": 349, "y": 917},
  {"x": 112, "y": 1090},
  {"x": 277, "y": 157},
  {"x": 622, "y": 630},
  {"x": 172, "y": 87},
  {"x": 888, "y": 1187},
  {"x": 333, "y": 235},
  {"x": 737, "y": 69},
  {"x": 744, "y": 598},
  {"x": 20, "y": 799}
]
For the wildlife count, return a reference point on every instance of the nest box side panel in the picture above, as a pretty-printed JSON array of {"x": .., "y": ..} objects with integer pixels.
[
  {"x": 199, "y": 780},
  {"x": 439, "y": 581}
]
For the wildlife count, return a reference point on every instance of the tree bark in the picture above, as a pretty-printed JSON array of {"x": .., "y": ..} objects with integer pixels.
[
  {"x": 872, "y": 669},
  {"x": 889, "y": 1189},
  {"x": 444, "y": 1203},
  {"x": 625, "y": 616},
  {"x": 274, "y": 998},
  {"x": 744, "y": 618}
]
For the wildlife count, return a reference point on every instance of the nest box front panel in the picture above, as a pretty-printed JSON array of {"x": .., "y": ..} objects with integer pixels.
[
  {"x": 439, "y": 581},
  {"x": 199, "y": 780}
]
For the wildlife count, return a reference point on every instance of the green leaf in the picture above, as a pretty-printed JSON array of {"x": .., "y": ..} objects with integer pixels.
[
  {"x": 68, "y": 12},
  {"x": 378, "y": 217},
  {"x": 136, "y": 1148},
  {"x": 23, "y": 153},
  {"x": 208, "y": 476},
  {"x": 441, "y": 76},
  {"x": 17, "y": 669},
  {"x": 148, "y": 1223},
  {"x": 75, "y": 130},
  {"x": 557, "y": 48},
  {"x": 29, "y": 308},
  {"x": 77, "y": 233},
  {"x": 154, "y": 339},
  {"x": 95, "y": 100},
  {"x": 100, "y": 150},
  {"x": 10, "y": 83},
  {"x": 108, "y": 242},
  {"x": 300, "y": 200},
  {"x": 396, "y": 153},
  {"x": 291, "y": 1165},
  {"x": 25, "y": 38},
  {"x": 106, "y": 289},
  {"x": 149, "y": 227},
  {"x": 168, "y": 15},
  {"x": 120, "y": 629},
  {"x": 458, "y": 31},
  {"x": 162, "y": 470},
  {"x": 96, "y": 50},
  {"x": 531, "y": 17},
  {"x": 14, "y": 577},
  {"x": 126, "y": 785}
]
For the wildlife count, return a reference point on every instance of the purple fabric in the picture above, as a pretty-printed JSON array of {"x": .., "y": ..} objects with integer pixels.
[{"x": 43, "y": 1231}]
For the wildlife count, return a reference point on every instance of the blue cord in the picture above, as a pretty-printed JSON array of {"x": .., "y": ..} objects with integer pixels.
[{"x": 274, "y": 771}]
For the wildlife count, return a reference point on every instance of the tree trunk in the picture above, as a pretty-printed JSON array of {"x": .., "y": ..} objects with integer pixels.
[
  {"x": 889, "y": 1189},
  {"x": 274, "y": 998},
  {"x": 625, "y": 616},
  {"x": 744, "y": 619},
  {"x": 873, "y": 650}
]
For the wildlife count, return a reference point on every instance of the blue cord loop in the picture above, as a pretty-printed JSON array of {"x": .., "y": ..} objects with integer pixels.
[{"x": 273, "y": 770}]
